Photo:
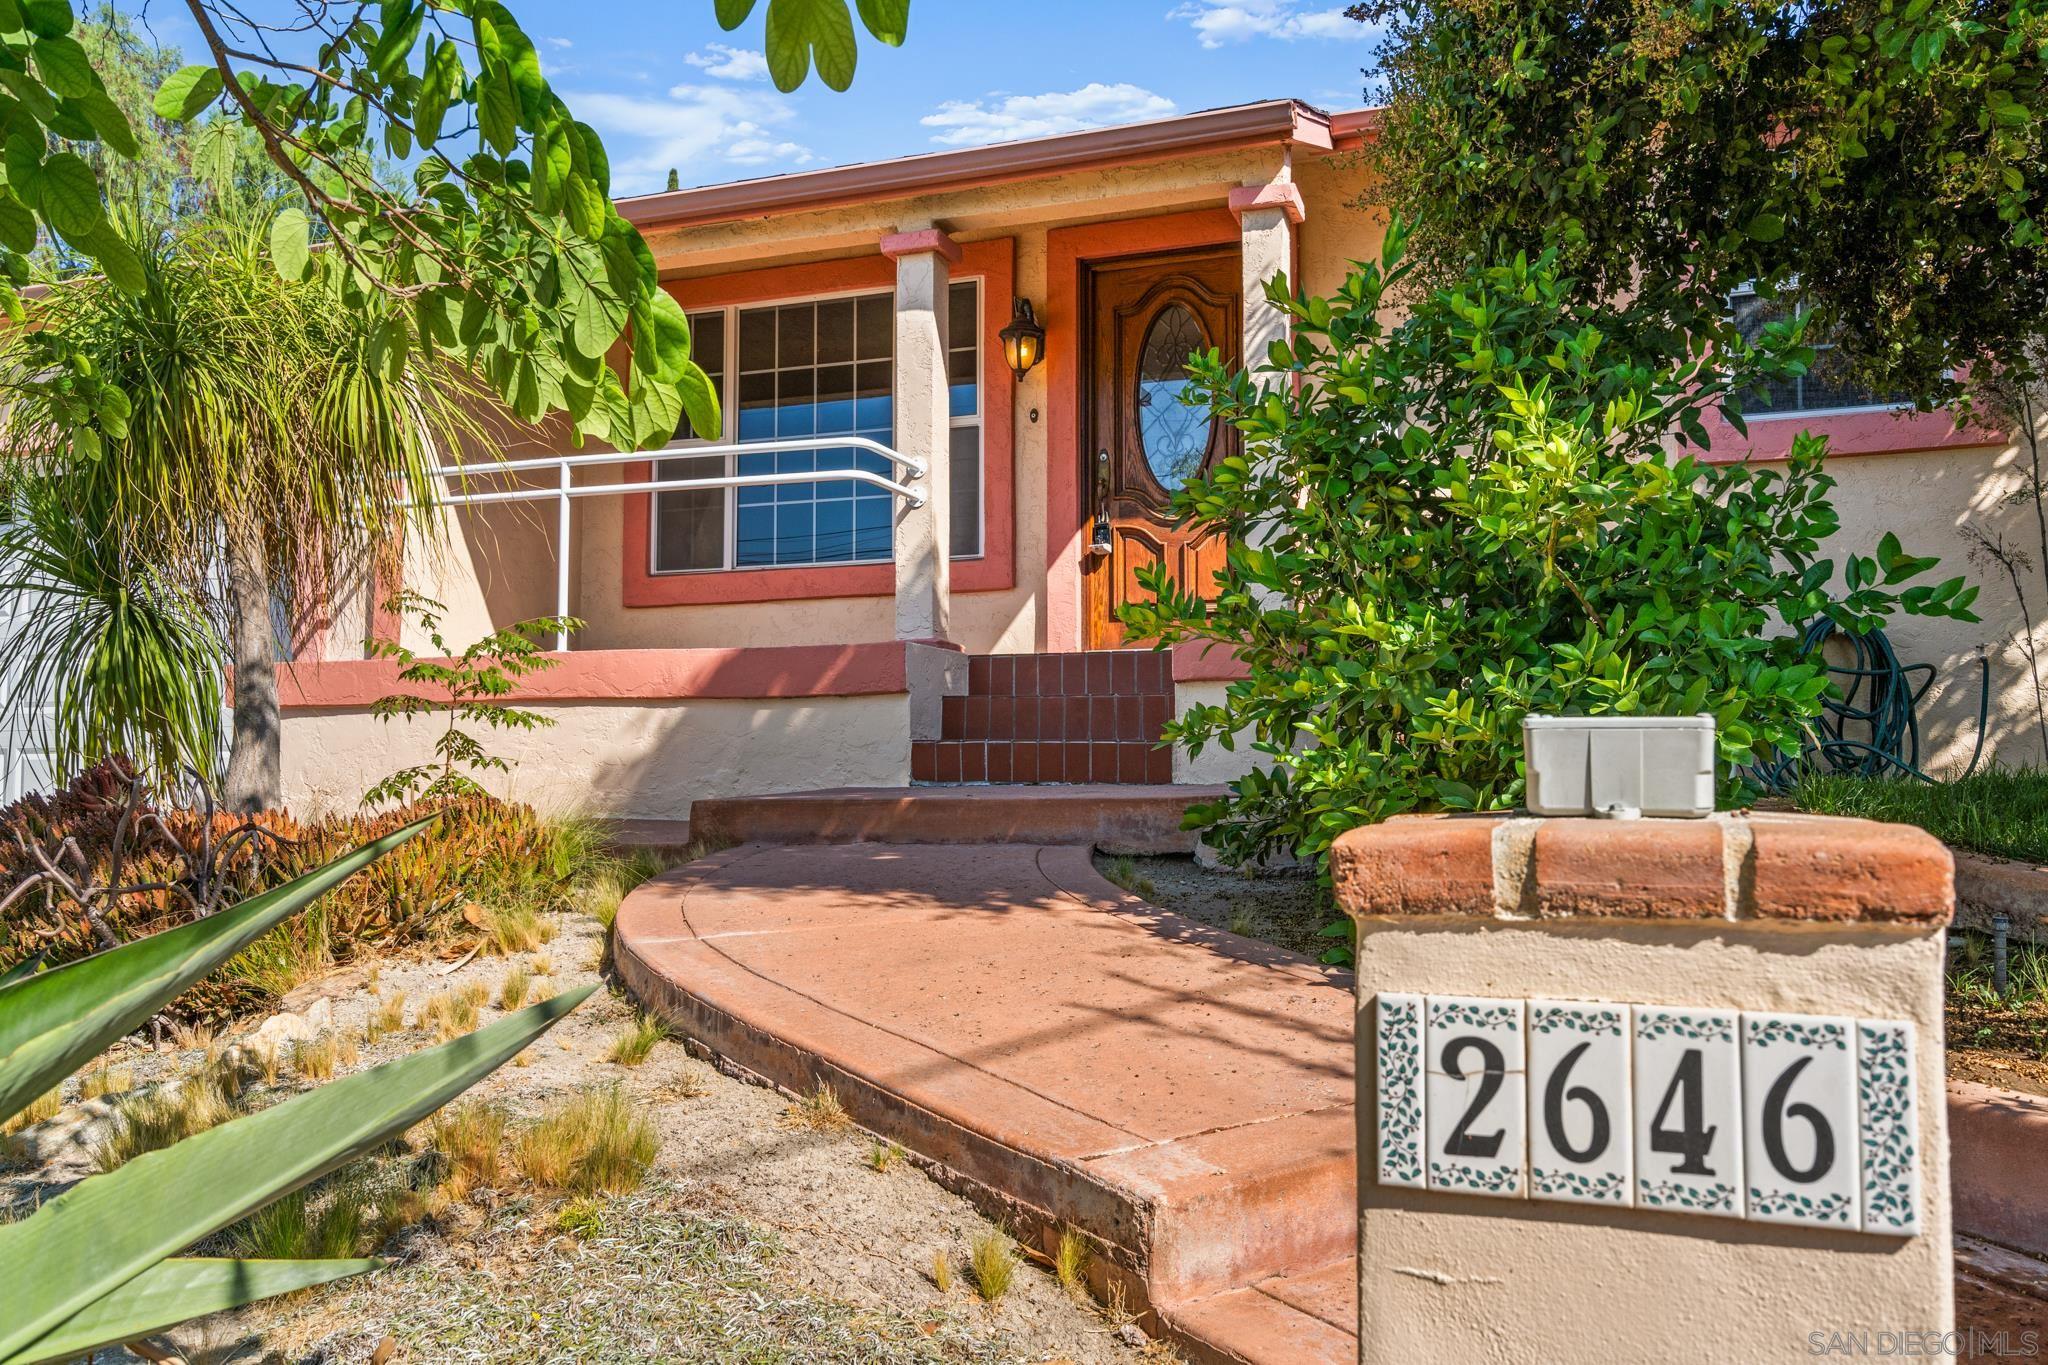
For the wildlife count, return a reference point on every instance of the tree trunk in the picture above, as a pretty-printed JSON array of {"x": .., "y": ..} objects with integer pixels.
[{"x": 255, "y": 777}]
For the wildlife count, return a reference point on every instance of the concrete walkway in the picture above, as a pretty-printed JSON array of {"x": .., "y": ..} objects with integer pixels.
[{"x": 1067, "y": 1051}]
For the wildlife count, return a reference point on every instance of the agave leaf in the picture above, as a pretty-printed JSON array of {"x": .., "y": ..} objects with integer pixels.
[
  {"x": 54, "y": 1022},
  {"x": 108, "y": 1229},
  {"x": 20, "y": 971},
  {"x": 177, "y": 1291}
]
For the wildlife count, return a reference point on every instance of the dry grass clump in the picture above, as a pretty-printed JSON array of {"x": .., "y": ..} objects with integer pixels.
[
  {"x": 593, "y": 1142},
  {"x": 942, "y": 1271},
  {"x": 883, "y": 1155},
  {"x": 513, "y": 989},
  {"x": 993, "y": 1262},
  {"x": 388, "y": 1017},
  {"x": 1124, "y": 873},
  {"x": 541, "y": 965},
  {"x": 169, "y": 1114},
  {"x": 612, "y": 884},
  {"x": 315, "y": 1059},
  {"x": 633, "y": 1047},
  {"x": 820, "y": 1111},
  {"x": 472, "y": 1137},
  {"x": 1071, "y": 1260},
  {"x": 449, "y": 1014},
  {"x": 105, "y": 1080},
  {"x": 41, "y": 1108},
  {"x": 514, "y": 927},
  {"x": 294, "y": 1229}
]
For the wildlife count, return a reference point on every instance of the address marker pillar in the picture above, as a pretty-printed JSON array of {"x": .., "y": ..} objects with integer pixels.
[{"x": 1648, "y": 1089}]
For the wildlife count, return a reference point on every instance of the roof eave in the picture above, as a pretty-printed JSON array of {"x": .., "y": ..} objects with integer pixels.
[{"x": 1271, "y": 122}]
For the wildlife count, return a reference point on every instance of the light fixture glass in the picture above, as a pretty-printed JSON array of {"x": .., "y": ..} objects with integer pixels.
[{"x": 1023, "y": 340}]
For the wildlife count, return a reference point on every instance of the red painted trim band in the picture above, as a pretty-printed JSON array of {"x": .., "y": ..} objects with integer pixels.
[{"x": 771, "y": 673}]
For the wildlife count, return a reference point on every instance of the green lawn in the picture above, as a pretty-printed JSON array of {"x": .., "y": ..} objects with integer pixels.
[{"x": 2003, "y": 812}]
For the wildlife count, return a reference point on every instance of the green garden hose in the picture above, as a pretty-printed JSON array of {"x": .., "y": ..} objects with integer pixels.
[{"x": 1873, "y": 728}]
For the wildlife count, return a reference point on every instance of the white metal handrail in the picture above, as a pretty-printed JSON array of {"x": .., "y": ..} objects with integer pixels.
[{"x": 566, "y": 489}]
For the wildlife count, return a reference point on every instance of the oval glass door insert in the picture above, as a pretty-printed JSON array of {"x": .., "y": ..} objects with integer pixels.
[{"x": 1175, "y": 436}]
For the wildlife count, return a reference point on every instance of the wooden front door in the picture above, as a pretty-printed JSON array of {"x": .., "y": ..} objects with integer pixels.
[{"x": 1146, "y": 317}]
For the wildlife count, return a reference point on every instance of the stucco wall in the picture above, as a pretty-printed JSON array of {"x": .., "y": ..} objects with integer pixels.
[
  {"x": 646, "y": 760},
  {"x": 1446, "y": 1277}
]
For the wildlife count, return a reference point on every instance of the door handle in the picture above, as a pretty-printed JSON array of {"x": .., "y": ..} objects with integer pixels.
[{"x": 1099, "y": 537}]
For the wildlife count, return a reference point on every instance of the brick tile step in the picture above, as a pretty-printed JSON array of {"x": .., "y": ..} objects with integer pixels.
[
  {"x": 1025, "y": 762},
  {"x": 1096, "y": 673},
  {"x": 1066, "y": 720}
]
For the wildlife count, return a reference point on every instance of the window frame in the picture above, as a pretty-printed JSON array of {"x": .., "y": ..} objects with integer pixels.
[
  {"x": 1748, "y": 290},
  {"x": 729, "y": 433}
]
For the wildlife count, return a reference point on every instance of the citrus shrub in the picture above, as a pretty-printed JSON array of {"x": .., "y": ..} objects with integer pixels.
[{"x": 1440, "y": 524}]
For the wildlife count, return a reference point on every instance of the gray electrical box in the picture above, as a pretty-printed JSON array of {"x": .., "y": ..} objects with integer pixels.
[{"x": 1620, "y": 766}]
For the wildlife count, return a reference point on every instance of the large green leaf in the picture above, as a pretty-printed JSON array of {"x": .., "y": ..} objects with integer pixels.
[
  {"x": 54, "y": 1022},
  {"x": 69, "y": 194},
  {"x": 801, "y": 30},
  {"x": 289, "y": 251},
  {"x": 888, "y": 20},
  {"x": 176, "y": 1291},
  {"x": 186, "y": 91},
  {"x": 63, "y": 65},
  {"x": 108, "y": 1229}
]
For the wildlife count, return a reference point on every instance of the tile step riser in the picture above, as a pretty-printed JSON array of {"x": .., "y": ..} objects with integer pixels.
[{"x": 1102, "y": 673}]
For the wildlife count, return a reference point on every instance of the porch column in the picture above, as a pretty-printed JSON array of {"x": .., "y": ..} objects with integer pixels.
[
  {"x": 1266, "y": 216},
  {"x": 924, "y": 266}
]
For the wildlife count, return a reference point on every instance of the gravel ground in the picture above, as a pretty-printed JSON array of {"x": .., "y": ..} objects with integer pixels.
[
  {"x": 1287, "y": 909},
  {"x": 754, "y": 1239}
]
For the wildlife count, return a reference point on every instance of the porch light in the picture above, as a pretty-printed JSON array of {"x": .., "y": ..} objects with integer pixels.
[{"x": 1023, "y": 340}]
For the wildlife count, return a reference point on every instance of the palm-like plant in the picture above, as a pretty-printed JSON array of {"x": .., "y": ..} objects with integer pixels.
[{"x": 271, "y": 442}]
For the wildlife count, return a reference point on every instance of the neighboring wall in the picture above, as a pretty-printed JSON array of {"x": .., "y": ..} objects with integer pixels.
[{"x": 1932, "y": 500}]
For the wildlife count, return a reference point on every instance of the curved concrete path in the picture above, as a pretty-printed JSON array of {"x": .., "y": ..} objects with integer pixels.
[{"x": 1182, "y": 1094}]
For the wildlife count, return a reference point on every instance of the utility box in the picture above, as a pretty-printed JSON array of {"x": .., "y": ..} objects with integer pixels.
[{"x": 1620, "y": 766}]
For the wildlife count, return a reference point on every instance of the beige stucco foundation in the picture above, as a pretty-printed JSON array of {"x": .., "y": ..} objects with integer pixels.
[{"x": 622, "y": 759}]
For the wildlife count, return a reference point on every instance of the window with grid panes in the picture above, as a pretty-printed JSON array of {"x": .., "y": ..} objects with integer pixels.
[{"x": 811, "y": 369}]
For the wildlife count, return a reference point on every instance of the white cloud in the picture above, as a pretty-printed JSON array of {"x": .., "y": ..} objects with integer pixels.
[
  {"x": 1004, "y": 118},
  {"x": 563, "y": 43},
  {"x": 697, "y": 129},
  {"x": 1218, "y": 22},
  {"x": 730, "y": 63}
]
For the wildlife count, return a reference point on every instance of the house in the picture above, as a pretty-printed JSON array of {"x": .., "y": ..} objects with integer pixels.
[{"x": 900, "y": 560}]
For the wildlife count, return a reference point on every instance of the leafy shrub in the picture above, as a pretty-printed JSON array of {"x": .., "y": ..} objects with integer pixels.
[{"x": 1442, "y": 524}]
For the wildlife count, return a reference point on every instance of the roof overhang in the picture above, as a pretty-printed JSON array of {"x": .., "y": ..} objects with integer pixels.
[{"x": 1269, "y": 123}]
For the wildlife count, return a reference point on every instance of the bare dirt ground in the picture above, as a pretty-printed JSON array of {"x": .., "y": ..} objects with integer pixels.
[{"x": 754, "y": 1238}]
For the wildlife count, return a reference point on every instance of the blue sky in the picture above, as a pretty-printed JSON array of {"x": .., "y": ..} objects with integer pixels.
[{"x": 666, "y": 87}]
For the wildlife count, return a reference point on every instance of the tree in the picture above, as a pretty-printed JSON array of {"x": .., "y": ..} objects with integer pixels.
[
  {"x": 1886, "y": 157},
  {"x": 499, "y": 268},
  {"x": 264, "y": 447},
  {"x": 1444, "y": 524},
  {"x": 503, "y": 249}
]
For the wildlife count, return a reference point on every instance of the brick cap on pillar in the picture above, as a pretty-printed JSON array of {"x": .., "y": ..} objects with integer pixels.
[
  {"x": 899, "y": 244},
  {"x": 1744, "y": 865},
  {"x": 1284, "y": 195}
]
